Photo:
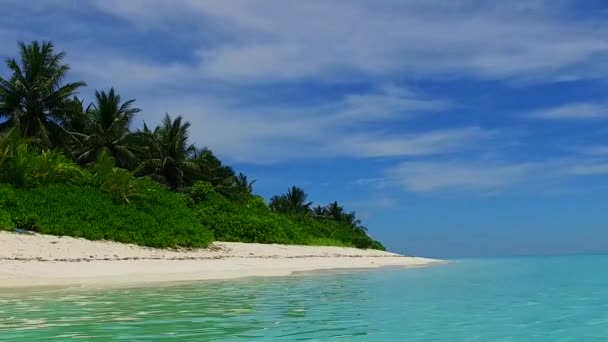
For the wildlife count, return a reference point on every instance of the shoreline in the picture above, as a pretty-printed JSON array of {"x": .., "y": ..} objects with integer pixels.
[{"x": 39, "y": 261}]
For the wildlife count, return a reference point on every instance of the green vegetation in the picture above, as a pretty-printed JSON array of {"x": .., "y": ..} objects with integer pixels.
[
  {"x": 255, "y": 221},
  {"x": 158, "y": 220},
  {"x": 70, "y": 170}
]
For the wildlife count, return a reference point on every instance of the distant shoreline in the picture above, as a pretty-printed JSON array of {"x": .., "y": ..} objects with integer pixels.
[{"x": 38, "y": 261}]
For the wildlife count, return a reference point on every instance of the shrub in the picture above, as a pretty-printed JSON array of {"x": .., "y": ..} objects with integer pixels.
[
  {"x": 26, "y": 166},
  {"x": 253, "y": 221},
  {"x": 158, "y": 220},
  {"x": 52, "y": 195},
  {"x": 258, "y": 203},
  {"x": 185, "y": 199},
  {"x": 202, "y": 191},
  {"x": 378, "y": 245},
  {"x": 5, "y": 221},
  {"x": 362, "y": 242},
  {"x": 50, "y": 167},
  {"x": 121, "y": 184}
]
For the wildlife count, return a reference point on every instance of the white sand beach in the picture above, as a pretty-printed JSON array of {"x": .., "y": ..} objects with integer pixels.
[{"x": 43, "y": 260}]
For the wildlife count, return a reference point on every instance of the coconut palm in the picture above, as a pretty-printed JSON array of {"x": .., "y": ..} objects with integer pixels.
[
  {"x": 319, "y": 211},
  {"x": 108, "y": 129},
  {"x": 75, "y": 125},
  {"x": 211, "y": 168},
  {"x": 78, "y": 120},
  {"x": 335, "y": 211},
  {"x": 294, "y": 201},
  {"x": 352, "y": 220},
  {"x": 169, "y": 153},
  {"x": 243, "y": 184},
  {"x": 35, "y": 99}
]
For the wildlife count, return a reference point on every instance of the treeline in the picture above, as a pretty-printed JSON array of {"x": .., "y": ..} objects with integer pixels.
[{"x": 52, "y": 142}]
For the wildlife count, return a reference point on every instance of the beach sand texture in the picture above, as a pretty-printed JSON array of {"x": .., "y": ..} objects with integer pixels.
[{"x": 44, "y": 260}]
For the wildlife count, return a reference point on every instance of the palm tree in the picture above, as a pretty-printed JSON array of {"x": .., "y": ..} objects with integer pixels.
[
  {"x": 351, "y": 220},
  {"x": 75, "y": 125},
  {"x": 77, "y": 122},
  {"x": 211, "y": 168},
  {"x": 294, "y": 201},
  {"x": 319, "y": 211},
  {"x": 243, "y": 184},
  {"x": 144, "y": 139},
  {"x": 335, "y": 211},
  {"x": 169, "y": 153},
  {"x": 34, "y": 99},
  {"x": 108, "y": 129}
]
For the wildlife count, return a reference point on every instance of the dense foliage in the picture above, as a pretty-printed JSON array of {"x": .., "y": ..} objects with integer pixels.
[
  {"x": 255, "y": 221},
  {"x": 158, "y": 219},
  {"x": 67, "y": 169}
]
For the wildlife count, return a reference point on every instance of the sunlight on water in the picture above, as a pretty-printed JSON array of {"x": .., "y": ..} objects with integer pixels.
[{"x": 524, "y": 299}]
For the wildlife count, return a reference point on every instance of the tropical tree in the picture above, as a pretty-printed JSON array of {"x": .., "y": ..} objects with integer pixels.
[
  {"x": 243, "y": 184},
  {"x": 107, "y": 129},
  {"x": 294, "y": 201},
  {"x": 351, "y": 220},
  {"x": 143, "y": 138},
  {"x": 211, "y": 169},
  {"x": 74, "y": 126},
  {"x": 335, "y": 211},
  {"x": 35, "y": 99},
  {"x": 169, "y": 153},
  {"x": 222, "y": 177},
  {"x": 78, "y": 120},
  {"x": 319, "y": 211}
]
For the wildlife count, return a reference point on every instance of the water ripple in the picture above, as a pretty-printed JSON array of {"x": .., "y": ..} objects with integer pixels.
[{"x": 475, "y": 300}]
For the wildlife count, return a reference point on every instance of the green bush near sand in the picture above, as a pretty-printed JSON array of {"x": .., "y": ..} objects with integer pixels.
[
  {"x": 158, "y": 219},
  {"x": 109, "y": 203},
  {"x": 161, "y": 218},
  {"x": 253, "y": 221}
]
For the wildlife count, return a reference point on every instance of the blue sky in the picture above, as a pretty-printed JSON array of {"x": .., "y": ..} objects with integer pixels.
[{"x": 454, "y": 128}]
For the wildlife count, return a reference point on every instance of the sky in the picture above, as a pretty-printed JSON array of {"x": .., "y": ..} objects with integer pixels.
[{"x": 453, "y": 128}]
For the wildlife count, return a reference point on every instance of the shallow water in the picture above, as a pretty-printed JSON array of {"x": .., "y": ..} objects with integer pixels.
[{"x": 514, "y": 299}]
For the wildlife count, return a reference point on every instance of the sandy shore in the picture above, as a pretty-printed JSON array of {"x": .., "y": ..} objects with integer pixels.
[{"x": 42, "y": 260}]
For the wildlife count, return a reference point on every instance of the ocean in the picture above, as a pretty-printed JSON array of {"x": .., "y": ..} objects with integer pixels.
[{"x": 509, "y": 299}]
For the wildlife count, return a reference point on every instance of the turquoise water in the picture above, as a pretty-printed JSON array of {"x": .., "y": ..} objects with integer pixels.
[{"x": 515, "y": 299}]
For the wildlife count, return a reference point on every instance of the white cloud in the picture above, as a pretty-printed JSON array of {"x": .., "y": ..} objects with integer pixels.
[
  {"x": 105, "y": 70},
  {"x": 585, "y": 168},
  {"x": 266, "y": 41},
  {"x": 378, "y": 201},
  {"x": 487, "y": 177},
  {"x": 572, "y": 111},
  {"x": 270, "y": 133},
  {"x": 377, "y": 183},
  {"x": 590, "y": 150},
  {"x": 274, "y": 40},
  {"x": 231, "y": 48},
  {"x": 420, "y": 144},
  {"x": 459, "y": 175},
  {"x": 389, "y": 102}
]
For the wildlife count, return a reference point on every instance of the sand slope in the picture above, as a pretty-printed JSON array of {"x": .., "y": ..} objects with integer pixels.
[{"x": 43, "y": 260}]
